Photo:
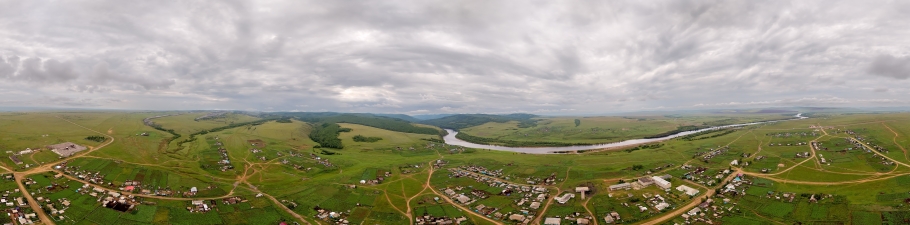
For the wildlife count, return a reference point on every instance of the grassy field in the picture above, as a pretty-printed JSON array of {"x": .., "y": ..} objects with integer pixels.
[{"x": 278, "y": 160}]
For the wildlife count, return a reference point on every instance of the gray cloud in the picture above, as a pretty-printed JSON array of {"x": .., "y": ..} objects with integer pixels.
[
  {"x": 45, "y": 71},
  {"x": 891, "y": 67},
  {"x": 59, "y": 101},
  {"x": 101, "y": 73},
  {"x": 454, "y": 56}
]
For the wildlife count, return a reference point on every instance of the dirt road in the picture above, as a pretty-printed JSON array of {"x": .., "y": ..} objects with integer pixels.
[
  {"x": 692, "y": 204},
  {"x": 31, "y": 201},
  {"x": 47, "y": 167},
  {"x": 906, "y": 157}
]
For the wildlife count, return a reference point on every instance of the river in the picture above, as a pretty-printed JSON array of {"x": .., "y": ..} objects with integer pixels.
[{"x": 450, "y": 139}]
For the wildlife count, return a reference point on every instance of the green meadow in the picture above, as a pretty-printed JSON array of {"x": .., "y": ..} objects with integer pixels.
[{"x": 278, "y": 160}]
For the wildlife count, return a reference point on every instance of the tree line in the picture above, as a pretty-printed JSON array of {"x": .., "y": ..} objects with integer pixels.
[
  {"x": 679, "y": 129},
  {"x": 361, "y": 138},
  {"x": 695, "y": 136}
]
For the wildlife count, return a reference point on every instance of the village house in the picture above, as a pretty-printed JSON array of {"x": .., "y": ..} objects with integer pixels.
[
  {"x": 623, "y": 186},
  {"x": 694, "y": 211},
  {"x": 535, "y": 205},
  {"x": 660, "y": 182},
  {"x": 662, "y": 206},
  {"x": 463, "y": 199},
  {"x": 552, "y": 221},
  {"x": 582, "y": 221},
  {"x": 645, "y": 181},
  {"x": 688, "y": 190},
  {"x": 517, "y": 217},
  {"x": 608, "y": 219},
  {"x": 565, "y": 198},
  {"x": 541, "y": 197}
]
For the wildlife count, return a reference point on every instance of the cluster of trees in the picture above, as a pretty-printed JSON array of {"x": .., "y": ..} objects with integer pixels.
[
  {"x": 361, "y": 138},
  {"x": 437, "y": 140},
  {"x": 96, "y": 138},
  {"x": 577, "y": 122},
  {"x": 469, "y": 120},
  {"x": 512, "y": 143},
  {"x": 645, "y": 146},
  {"x": 326, "y": 134},
  {"x": 679, "y": 129},
  {"x": 699, "y": 135},
  {"x": 174, "y": 135},
  {"x": 284, "y": 120}
]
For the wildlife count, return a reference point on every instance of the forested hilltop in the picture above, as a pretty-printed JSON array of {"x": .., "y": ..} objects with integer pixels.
[
  {"x": 326, "y": 127},
  {"x": 469, "y": 120}
]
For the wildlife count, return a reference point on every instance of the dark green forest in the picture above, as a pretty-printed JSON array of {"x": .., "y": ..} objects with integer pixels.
[{"x": 326, "y": 134}]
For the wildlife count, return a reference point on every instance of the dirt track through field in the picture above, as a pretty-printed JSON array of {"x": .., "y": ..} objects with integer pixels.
[{"x": 895, "y": 142}]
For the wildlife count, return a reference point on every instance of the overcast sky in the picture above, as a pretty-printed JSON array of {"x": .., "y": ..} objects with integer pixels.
[{"x": 425, "y": 57}]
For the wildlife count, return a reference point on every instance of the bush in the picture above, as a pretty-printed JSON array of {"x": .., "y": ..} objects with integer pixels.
[{"x": 96, "y": 138}]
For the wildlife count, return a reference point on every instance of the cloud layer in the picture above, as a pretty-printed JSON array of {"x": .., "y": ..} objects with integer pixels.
[{"x": 548, "y": 57}]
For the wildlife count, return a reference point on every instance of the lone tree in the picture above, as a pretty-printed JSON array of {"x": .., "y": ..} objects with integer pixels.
[{"x": 577, "y": 122}]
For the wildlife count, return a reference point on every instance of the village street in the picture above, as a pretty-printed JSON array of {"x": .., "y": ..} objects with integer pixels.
[
  {"x": 693, "y": 203},
  {"x": 447, "y": 199}
]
